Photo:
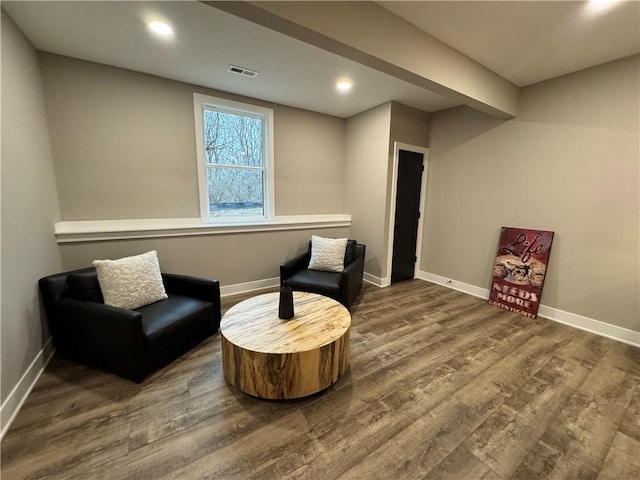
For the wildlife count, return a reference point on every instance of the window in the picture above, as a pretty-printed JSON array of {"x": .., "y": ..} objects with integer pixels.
[{"x": 234, "y": 152}]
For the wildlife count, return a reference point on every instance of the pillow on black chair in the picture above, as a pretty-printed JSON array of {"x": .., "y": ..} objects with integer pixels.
[
  {"x": 349, "y": 254},
  {"x": 84, "y": 286},
  {"x": 131, "y": 282},
  {"x": 327, "y": 254}
]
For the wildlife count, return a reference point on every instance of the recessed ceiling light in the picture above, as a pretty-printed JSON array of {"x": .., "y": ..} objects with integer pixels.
[
  {"x": 599, "y": 6},
  {"x": 344, "y": 86},
  {"x": 161, "y": 28}
]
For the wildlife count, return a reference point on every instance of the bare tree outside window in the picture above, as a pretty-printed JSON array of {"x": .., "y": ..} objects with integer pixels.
[{"x": 233, "y": 146}]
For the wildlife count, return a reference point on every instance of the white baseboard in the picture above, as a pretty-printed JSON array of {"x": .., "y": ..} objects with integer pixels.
[
  {"x": 237, "y": 288},
  {"x": 454, "y": 284},
  {"x": 377, "y": 281},
  {"x": 256, "y": 285},
  {"x": 591, "y": 325},
  {"x": 587, "y": 324},
  {"x": 20, "y": 392}
]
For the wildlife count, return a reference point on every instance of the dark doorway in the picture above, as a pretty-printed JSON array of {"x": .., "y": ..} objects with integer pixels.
[{"x": 405, "y": 233}]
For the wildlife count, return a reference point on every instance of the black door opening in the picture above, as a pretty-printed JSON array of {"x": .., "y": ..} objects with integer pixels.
[{"x": 405, "y": 234}]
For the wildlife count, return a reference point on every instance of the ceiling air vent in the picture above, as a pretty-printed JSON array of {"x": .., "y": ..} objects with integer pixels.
[{"x": 242, "y": 71}]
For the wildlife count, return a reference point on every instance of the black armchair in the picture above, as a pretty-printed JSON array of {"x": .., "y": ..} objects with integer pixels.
[
  {"x": 342, "y": 286},
  {"x": 128, "y": 343}
]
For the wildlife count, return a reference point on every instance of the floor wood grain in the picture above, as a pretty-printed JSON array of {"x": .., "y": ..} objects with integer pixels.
[{"x": 441, "y": 386}]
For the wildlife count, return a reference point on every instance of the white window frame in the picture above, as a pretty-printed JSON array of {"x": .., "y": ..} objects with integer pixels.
[{"x": 199, "y": 103}]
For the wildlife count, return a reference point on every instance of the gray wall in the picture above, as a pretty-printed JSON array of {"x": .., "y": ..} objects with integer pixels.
[
  {"x": 569, "y": 162},
  {"x": 370, "y": 138},
  {"x": 124, "y": 146},
  {"x": 232, "y": 258},
  {"x": 29, "y": 209},
  {"x": 409, "y": 125},
  {"x": 309, "y": 162},
  {"x": 366, "y": 173}
]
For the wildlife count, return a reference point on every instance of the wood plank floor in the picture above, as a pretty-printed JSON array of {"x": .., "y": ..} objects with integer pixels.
[{"x": 441, "y": 386}]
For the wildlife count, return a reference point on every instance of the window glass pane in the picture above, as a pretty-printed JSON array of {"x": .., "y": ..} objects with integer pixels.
[
  {"x": 231, "y": 139},
  {"x": 235, "y": 192},
  {"x": 233, "y": 159}
]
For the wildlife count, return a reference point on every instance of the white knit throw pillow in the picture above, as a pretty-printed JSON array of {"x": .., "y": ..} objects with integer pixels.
[
  {"x": 131, "y": 282},
  {"x": 327, "y": 254}
]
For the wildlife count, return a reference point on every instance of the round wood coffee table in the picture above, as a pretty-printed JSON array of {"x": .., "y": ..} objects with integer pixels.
[{"x": 271, "y": 358}]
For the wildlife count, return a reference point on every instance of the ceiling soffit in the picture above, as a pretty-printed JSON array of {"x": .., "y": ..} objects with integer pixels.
[{"x": 354, "y": 30}]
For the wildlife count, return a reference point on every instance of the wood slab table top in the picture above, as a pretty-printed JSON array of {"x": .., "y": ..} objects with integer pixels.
[{"x": 268, "y": 357}]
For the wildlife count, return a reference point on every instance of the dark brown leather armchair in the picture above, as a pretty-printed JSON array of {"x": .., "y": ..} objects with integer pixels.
[
  {"x": 128, "y": 343},
  {"x": 342, "y": 286}
]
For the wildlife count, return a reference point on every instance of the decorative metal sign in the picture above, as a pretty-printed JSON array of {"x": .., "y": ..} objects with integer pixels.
[{"x": 520, "y": 268}]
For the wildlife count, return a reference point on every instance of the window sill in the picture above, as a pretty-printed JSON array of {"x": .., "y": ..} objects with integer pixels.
[{"x": 101, "y": 230}]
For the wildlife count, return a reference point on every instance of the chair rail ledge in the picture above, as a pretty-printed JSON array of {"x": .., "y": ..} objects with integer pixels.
[{"x": 102, "y": 230}]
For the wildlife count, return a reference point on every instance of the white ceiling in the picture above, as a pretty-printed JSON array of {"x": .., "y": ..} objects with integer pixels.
[{"x": 524, "y": 42}]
